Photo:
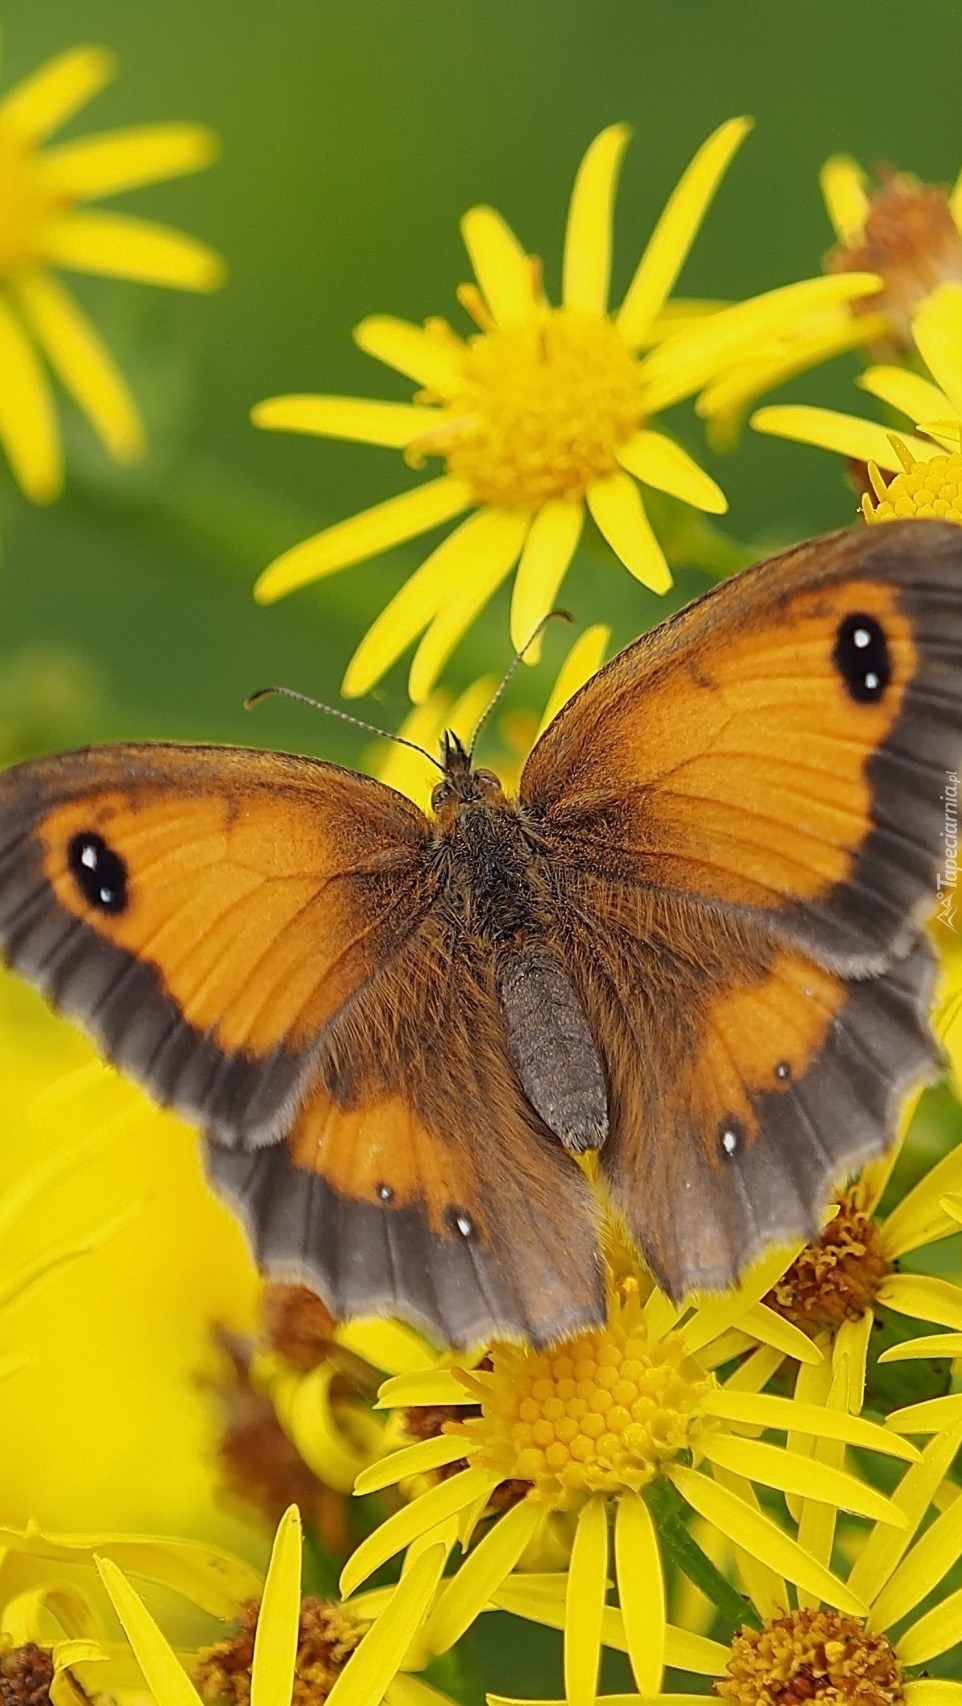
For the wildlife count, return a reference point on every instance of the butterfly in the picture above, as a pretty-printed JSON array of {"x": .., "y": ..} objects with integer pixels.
[{"x": 694, "y": 946}]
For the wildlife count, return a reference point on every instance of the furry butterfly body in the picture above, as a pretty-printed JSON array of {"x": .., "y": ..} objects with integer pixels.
[{"x": 694, "y": 944}]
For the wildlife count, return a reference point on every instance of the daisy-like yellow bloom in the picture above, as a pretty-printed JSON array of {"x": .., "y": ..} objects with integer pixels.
[
  {"x": 515, "y": 732},
  {"x": 545, "y": 412},
  {"x": 46, "y": 226},
  {"x": 928, "y": 470},
  {"x": 111, "y": 1381},
  {"x": 812, "y": 1649},
  {"x": 626, "y": 1420},
  {"x": 291, "y": 1648}
]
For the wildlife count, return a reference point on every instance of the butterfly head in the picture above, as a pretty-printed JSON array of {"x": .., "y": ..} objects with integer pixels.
[{"x": 462, "y": 785}]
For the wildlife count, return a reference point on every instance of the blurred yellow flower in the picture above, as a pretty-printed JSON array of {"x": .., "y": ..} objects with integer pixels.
[
  {"x": 626, "y": 1419},
  {"x": 114, "y": 1357},
  {"x": 928, "y": 471},
  {"x": 542, "y": 413},
  {"x": 43, "y": 225}
]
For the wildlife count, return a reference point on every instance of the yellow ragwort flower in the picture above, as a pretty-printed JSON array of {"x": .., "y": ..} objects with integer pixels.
[
  {"x": 44, "y": 225},
  {"x": 544, "y": 412},
  {"x": 290, "y": 1648},
  {"x": 615, "y": 1420},
  {"x": 928, "y": 469}
]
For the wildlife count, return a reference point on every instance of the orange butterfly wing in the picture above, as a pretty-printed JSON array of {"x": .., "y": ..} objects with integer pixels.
[
  {"x": 250, "y": 936},
  {"x": 744, "y": 811}
]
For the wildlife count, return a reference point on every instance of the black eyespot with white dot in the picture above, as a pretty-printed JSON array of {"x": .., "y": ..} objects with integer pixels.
[
  {"x": 783, "y": 1072},
  {"x": 99, "y": 873},
  {"x": 386, "y": 1193},
  {"x": 862, "y": 658},
  {"x": 731, "y": 1136},
  {"x": 461, "y": 1223}
]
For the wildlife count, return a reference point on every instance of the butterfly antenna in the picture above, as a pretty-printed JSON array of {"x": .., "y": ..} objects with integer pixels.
[
  {"x": 564, "y": 616},
  {"x": 345, "y": 717}
]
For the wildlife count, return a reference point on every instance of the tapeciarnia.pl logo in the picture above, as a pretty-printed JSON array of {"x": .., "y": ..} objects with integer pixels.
[{"x": 948, "y": 877}]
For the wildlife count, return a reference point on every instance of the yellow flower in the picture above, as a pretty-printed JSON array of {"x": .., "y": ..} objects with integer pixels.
[
  {"x": 820, "y": 1650},
  {"x": 542, "y": 413},
  {"x": 114, "y": 1357},
  {"x": 288, "y": 1648},
  {"x": 628, "y": 1419},
  {"x": 908, "y": 232},
  {"x": 43, "y": 225},
  {"x": 424, "y": 726},
  {"x": 928, "y": 470}
]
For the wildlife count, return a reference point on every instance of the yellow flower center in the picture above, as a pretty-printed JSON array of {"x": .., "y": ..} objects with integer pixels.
[
  {"x": 327, "y": 1636},
  {"x": 836, "y": 1278},
  {"x": 924, "y": 489},
  {"x": 819, "y": 1656},
  {"x": 27, "y": 206},
  {"x": 602, "y": 1412},
  {"x": 543, "y": 409}
]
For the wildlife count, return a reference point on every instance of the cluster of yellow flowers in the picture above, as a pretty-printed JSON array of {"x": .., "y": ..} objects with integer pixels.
[{"x": 735, "y": 1468}]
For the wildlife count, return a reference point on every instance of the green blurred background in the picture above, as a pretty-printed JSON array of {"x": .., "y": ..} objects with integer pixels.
[{"x": 355, "y": 134}]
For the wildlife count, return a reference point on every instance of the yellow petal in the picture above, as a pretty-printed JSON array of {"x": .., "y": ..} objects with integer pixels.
[
  {"x": 165, "y": 1677},
  {"x": 885, "y": 1546},
  {"x": 764, "y": 1585},
  {"x": 676, "y": 230},
  {"x": 49, "y": 96},
  {"x": 724, "y": 400},
  {"x": 789, "y": 1471},
  {"x": 485, "y": 1568},
  {"x": 932, "y": 1691},
  {"x": 662, "y": 463},
  {"x": 641, "y": 1591},
  {"x": 120, "y": 246},
  {"x": 616, "y": 506},
  {"x": 371, "y": 1666},
  {"x": 125, "y": 159},
  {"x": 817, "y": 1519},
  {"x": 303, "y": 1405},
  {"x": 714, "y": 1315},
  {"x": 548, "y": 550},
  {"x": 542, "y": 1599},
  {"x": 921, "y": 1569},
  {"x": 587, "y": 253},
  {"x": 584, "y": 1604},
  {"x": 706, "y": 347},
  {"x": 434, "y": 1386},
  {"x": 929, "y": 1417},
  {"x": 430, "y": 354},
  {"x": 365, "y": 535},
  {"x": 416, "y": 1459},
  {"x": 412, "y": 1520},
  {"x": 386, "y": 1344},
  {"x": 502, "y": 268},
  {"x": 937, "y": 330},
  {"x": 933, "y": 1345},
  {"x": 934, "y": 1633},
  {"x": 762, "y": 1537},
  {"x": 864, "y": 441},
  {"x": 278, "y": 1622},
  {"x": 82, "y": 362},
  {"x": 769, "y": 1411},
  {"x": 851, "y": 1344},
  {"x": 415, "y": 604},
  {"x": 773, "y": 1329},
  {"x": 214, "y": 1580},
  {"x": 955, "y": 202},
  {"x": 28, "y": 427},
  {"x": 919, "y": 1218},
  {"x": 924, "y": 1297},
  {"x": 392, "y": 424},
  {"x": 843, "y": 189},
  {"x": 584, "y": 658},
  {"x": 498, "y": 540},
  {"x": 916, "y": 397}
]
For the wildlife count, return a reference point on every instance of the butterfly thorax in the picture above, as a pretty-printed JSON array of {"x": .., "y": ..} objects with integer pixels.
[{"x": 481, "y": 852}]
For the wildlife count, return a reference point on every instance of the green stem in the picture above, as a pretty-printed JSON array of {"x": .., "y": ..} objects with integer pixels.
[{"x": 666, "y": 1507}]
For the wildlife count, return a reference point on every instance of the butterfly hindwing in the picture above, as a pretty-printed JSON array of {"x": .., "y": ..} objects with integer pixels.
[{"x": 748, "y": 809}]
